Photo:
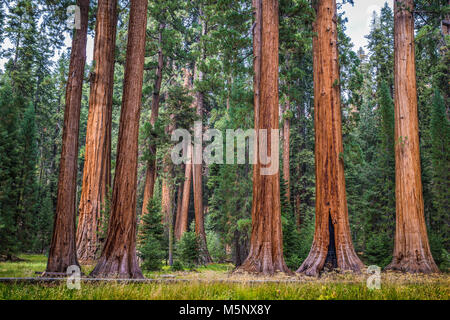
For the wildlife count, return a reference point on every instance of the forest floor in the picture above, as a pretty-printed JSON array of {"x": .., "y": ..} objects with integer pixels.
[{"x": 217, "y": 282}]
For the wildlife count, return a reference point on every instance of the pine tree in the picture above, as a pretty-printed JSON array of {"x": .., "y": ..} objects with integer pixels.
[
  {"x": 151, "y": 237},
  {"x": 10, "y": 165},
  {"x": 440, "y": 135}
]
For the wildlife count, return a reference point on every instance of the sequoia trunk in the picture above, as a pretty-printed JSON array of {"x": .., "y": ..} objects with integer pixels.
[
  {"x": 150, "y": 176},
  {"x": 182, "y": 220},
  {"x": 286, "y": 142},
  {"x": 62, "y": 250},
  {"x": 332, "y": 244},
  {"x": 266, "y": 243},
  {"x": 119, "y": 253},
  {"x": 411, "y": 248},
  {"x": 97, "y": 165},
  {"x": 197, "y": 175}
]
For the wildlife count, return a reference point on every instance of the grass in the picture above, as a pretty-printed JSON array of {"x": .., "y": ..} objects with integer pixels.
[{"x": 213, "y": 283}]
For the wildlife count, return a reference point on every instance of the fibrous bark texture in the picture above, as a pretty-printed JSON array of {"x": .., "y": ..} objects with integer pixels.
[
  {"x": 332, "y": 226},
  {"x": 62, "y": 250},
  {"x": 118, "y": 257},
  {"x": 182, "y": 220},
  {"x": 150, "y": 176},
  {"x": 411, "y": 248},
  {"x": 266, "y": 243},
  {"x": 286, "y": 157},
  {"x": 97, "y": 165},
  {"x": 197, "y": 175}
]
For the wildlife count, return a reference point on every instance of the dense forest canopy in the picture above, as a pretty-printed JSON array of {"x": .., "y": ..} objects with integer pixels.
[{"x": 198, "y": 63}]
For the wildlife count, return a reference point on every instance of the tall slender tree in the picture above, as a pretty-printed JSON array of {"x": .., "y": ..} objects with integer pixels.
[
  {"x": 411, "y": 248},
  {"x": 198, "y": 167},
  {"x": 181, "y": 225},
  {"x": 97, "y": 165},
  {"x": 118, "y": 257},
  {"x": 62, "y": 250},
  {"x": 332, "y": 244},
  {"x": 150, "y": 175},
  {"x": 266, "y": 243}
]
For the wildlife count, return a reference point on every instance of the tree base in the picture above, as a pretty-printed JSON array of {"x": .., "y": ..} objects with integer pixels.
[
  {"x": 412, "y": 265},
  {"x": 263, "y": 266},
  {"x": 116, "y": 270},
  {"x": 315, "y": 263}
]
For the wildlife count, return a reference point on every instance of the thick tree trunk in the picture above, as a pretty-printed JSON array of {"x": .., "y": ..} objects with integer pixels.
[
  {"x": 167, "y": 191},
  {"x": 97, "y": 165},
  {"x": 150, "y": 176},
  {"x": 179, "y": 204},
  {"x": 266, "y": 243},
  {"x": 197, "y": 176},
  {"x": 119, "y": 253},
  {"x": 411, "y": 248},
  {"x": 286, "y": 157},
  {"x": 332, "y": 243},
  {"x": 62, "y": 250},
  {"x": 445, "y": 23},
  {"x": 182, "y": 220}
]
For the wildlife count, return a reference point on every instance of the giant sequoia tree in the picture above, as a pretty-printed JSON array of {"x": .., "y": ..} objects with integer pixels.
[
  {"x": 266, "y": 243},
  {"x": 97, "y": 165},
  {"x": 332, "y": 244},
  {"x": 62, "y": 250},
  {"x": 118, "y": 257},
  {"x": 150, "y": 175},
  {"x": 198, "y": 167},
  {"x": 411, "y": 248}
]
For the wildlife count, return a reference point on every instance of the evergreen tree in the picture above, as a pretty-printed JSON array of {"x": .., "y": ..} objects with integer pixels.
[
  {"x": 151, "y": 240},
  {"x": 10, "y": 167},
  {"x": 440, "y": 135}
]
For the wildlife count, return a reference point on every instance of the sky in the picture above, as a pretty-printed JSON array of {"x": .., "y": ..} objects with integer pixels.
[
  {"x": 358, "y": 26},
  {"x": 359, "y": 16}
]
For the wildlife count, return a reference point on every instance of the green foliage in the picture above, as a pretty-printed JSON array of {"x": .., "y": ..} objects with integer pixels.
[
  {"x": 151, "y": 238},
  {"x": 10, "y": 168},
  {"x": 440, "y": 159},
  {"x": 215, "y": 247},
  {"x": 188, "y": 250},
  {"x": 291, "y": 237},
  {"x": 351, "y": 287}
]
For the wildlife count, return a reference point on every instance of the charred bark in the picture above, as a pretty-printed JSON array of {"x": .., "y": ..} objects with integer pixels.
[
  {"x": 411, "y": 248},
  {"x": 97, "y": 165},
  {"x": 119, "y": 257},
  {"x": 62, "y": 250},
  {"x": 331, "y": 201}
]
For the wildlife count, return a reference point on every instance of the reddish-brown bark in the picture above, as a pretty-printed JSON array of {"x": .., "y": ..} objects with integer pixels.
[
  {"x": 97, "y": 165},
  {"x": 445, "y": 23},
  {"x": 178, "y": 213},
  {"x": 331, "y": 202},
  {"x": 167, "y": 191},
  {"x": 150, "y": 176},
  {"x": 411, "y": 248},
  {"x": 182, "y": 219},
  {"x": 62, "y": 250},
  {"x": 266, "y": 243},
  {"x": 118, "y": 257},
  {"x": 286, "y": 142},
  {"x": 181, "y": 225},
  {"x": 197, "y": 175}
]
